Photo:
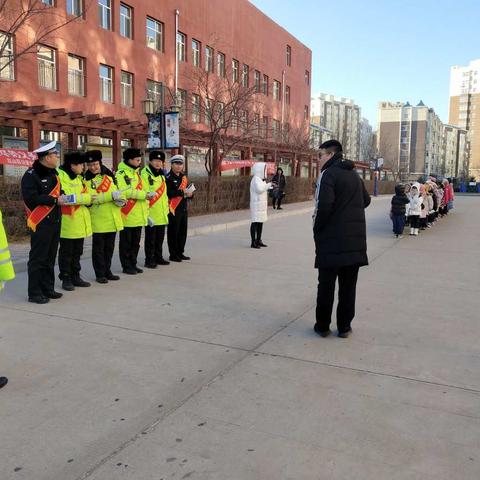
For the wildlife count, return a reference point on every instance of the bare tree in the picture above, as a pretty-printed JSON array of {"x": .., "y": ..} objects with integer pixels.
[
  {"x": 229, "y": 110},
  {"x": 37, "y": 21}
]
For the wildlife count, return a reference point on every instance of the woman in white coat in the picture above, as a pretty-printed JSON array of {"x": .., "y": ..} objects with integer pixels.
[{"x": 258, "y": 203}]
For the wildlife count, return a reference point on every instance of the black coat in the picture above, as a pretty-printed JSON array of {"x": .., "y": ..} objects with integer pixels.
[
  {"x": 37, "y": 182},
  {"x": 173, "y": 183},
  {"x": 339, "y": 228},
  {"x": 399, "y": 200}
]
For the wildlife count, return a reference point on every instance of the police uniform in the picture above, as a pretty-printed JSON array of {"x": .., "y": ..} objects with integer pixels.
[
  {"x": 40, "y": 191},
  {"x": 76, "y": 223},
  {"x": 154, "y": 181},
  {"x": 178, "y": 216},
  {"x": 105, "y": 215}
]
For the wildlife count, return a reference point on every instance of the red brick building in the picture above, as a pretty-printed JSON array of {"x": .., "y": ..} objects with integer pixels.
[{"x": 89, "y": 78}]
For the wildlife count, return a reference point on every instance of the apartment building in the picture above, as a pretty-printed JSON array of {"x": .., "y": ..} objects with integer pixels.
[
  {"x": 455, "y": 152},
  {"x": 465, "y": 108},
  {"x": 340, "y": 116}
]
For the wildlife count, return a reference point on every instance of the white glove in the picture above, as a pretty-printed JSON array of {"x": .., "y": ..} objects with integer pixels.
[
  {"x": 151, "y": 222},
  {"x": 116, "y": 194},
  {"x": 151, "y": 195}
]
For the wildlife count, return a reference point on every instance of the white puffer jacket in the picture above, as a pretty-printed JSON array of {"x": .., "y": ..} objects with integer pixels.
[
  {"x": 258, "y": 193},
  {"x": 415, "y": 200}
]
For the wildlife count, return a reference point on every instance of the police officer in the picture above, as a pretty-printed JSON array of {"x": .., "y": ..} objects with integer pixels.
[
  {"x": 154, "y": 181},
  {"x": 41, "y": 193},
  {"x": 76, "y": 223},
  {"x": 6, "y": 270},
  {"x": 105, "y": 214},
  {"x": 177, "y": 182},
  {"x": 135, "y": 212}
]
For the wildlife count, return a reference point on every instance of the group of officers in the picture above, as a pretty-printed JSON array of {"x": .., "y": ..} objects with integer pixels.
[{"x": 66, "y": 204}]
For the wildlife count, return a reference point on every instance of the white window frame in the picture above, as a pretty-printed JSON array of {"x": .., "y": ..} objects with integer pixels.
[
  {"x": 265, "y": 84},
  {"x": 209, "y": 59},
  {"x": 105, "y": 14},
  {"x": 195, "y": 108},
  {"x": 76, "y": 77},
  {"x": 126, "y": 89},
  {"x": 154, "y": 91},
  {"x": 75, "y": 7},
  {"x": 106, "y": 84},
  {"x": 8, "y": 72},
  {"x": 157, "y": 34},
  {"x": 221, "y": 64},
  {"x": 276, "y": 90},
  {"x": 196, "y": 53},
  {"x": 49, "y": 66},
  {"x": 235, "y": 70},
  {"x": 181, "y": 47},
  {"x": 257, "y": 80},
  {"x": 126, "y": 21},
  {"x": 245, "y": 75}
]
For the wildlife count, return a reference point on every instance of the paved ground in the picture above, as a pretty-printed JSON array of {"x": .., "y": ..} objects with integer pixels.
[{"x": 209, "y": 369}]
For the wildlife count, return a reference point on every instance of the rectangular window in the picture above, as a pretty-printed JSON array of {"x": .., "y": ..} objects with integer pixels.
[
  {"x": 276, "y": 129},
  {"x": 307, "y": 77},
  {"x": 221, "y": 64},
  {"x": 235, "y": 120},
  {"x": 196, "y": 46},
  {"x": 76, "y": 75},
  {"x": 265, "y": 127},
  {"x": 126, "y": 21},
  {"x": 208, "y": 111},
  {"x": 265, "y": 85},
  {"x": 181, "y": 47},
  {"x": 256, "y": 78},
  {"x": 195, "y": 108},
  {"x": 256, "y": 124},
  {"x": 126, "y": 89},
  {"x": 235, "y": 72},
  {"x": 209, "y": 59},
  {"x": 245, "y": 72},
  {"x": 276, "y": 90},
  {"x": 50, "y": 3},
  {"x": 154, "y": 91},
  {"x": 182, "y": 97},
  {"x": 105, "y": 14},
  {"x": 289, "y": 55},
  {"x": 106, "y": 83},
  {"x": 287, "y": 95},
  {"x": 7, "y": 65},
  {"x": 244, "y": 120},
  {"x": 47, "y": 69},
  {"x": 154, "y": 34},
  {"x": 75, "y": 7}
]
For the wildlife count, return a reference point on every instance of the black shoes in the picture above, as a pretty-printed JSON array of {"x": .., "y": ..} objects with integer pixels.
[
  {"x": 130, "y": 271},
  {"x": 3, "y": 381},
  {"x": 254, "y": 245},
  {"x": 175, "y": 259},
  {"x": 68, "y": 285},
  {"x": 279, "y": 208},
  {"x": 345, "y": 334},
  {"x": 184, "y": 257},
  {"x": 162, "y": 261},
  {"x": 40, "y": 300},
  {"x": 79, "y": 282},
  {"x": 102, "y": 280},
  {"x": 150, "y": 265},
  {"x": 112, "y": 277},
  {"x": 261, "y": 244},
  {"x": 138, "y": 270},
  {"x": 53, "y": 295},
  {"x": 322, "y": 333}
]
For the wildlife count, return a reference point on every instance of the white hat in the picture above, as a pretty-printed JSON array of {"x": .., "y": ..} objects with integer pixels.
[
  {"x": 46, "y": 149},
  {"x": 177, "y": 159}
]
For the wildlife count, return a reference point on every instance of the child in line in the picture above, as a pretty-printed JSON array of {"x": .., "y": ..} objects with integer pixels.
[
  {"x": 397, "y": 212},
  {"x": 415, "y": 208}
]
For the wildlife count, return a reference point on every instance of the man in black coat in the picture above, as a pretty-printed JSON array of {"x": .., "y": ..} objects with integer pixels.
[{"x": 339, "y": 232}]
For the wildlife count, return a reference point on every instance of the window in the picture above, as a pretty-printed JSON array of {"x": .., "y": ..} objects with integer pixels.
[
  {"x": 256, "y": 77},
  {"x": 287, "y": 95},
  {"x": 307, "y": 77},
  {"x": 276, "y": 129},
  {"x": 244, "y": 119},
  {"x": 48, "y": 2},
  {"x": 47, "y": 70},
  {"x": 289, "y": 55},
  {"x": 256, "y": 123},
  {"x": 154, "y": 34},
  {"x": 305, "y": 112},
  {"x": 106, "y": 83},
  {"x": 181, "y": 47},
  {"x": 76, "y": 75},
  {"x": 235, "y": 68},
  {"x": 182, "y": 96},
  {"x": 209, "y": 59},
  {"x": 265, "y": 127},
  {"x": 195, "y": 108},
  {"x": 154, "y": 91},
  {"x": 126, "y": 89},
  {"x": 126, "y": 21},
  {"x": 105, "y": 14},
  {"x": 276, "y": 90},
  {"x": 7, "y": 70},
  {"x": 220, "y": 114},
  {"x": 265, "y": 85},
  {"x": 235, "y": 120},
  {"x": 75, "y": 7},
  {"x": 196, "y": 53},
  {"x": 208, "y": 111},
  {"x": 221, "y": 64},
  {"x": 245, "y": 71}
]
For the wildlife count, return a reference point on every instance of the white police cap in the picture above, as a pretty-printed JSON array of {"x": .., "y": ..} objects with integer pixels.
[
  {"x": 177, "y": 159},
  {"x": 46, "y": 149}
]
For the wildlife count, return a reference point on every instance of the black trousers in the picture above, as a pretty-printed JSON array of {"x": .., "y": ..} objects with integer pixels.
[
  {"x": 154, "y": 237},
  {"x": 103, "y": 245},
  {"x": 277, "y": 200},
  {"x": 41, "y": 260},
  {"x": 69, "y": 256},
  {"x": 177, "y": 233},
  {"x": 256, "y": 229},
  {"x": 347, "y": 284},
  {"x": 414, "y": 221},
  {"x": 129, "y": 246}
]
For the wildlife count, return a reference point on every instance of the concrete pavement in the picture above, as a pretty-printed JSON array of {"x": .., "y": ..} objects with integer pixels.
[{"x": 209, "y": 369}]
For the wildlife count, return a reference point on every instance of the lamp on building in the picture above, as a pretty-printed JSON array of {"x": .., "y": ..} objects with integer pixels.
[{"x": 148, "y": 107}]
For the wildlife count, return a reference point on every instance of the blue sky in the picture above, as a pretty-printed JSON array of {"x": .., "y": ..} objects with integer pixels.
[{"x": 372, "y": 50}]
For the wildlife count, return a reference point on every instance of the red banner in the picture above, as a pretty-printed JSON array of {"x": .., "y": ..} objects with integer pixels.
[
  {"x": 233, "y": 164},
  {"x": 17, "y": 158}
]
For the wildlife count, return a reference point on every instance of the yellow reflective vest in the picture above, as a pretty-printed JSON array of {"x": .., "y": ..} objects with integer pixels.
[
  {"x": 6, "y": 266},
  {"x": 158, "y": 211},
  {"x": 76, "y": 222}
]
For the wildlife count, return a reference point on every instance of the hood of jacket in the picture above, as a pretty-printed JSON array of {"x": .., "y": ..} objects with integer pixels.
[
  {"x": 400, "y": 189},
  {"x": 259, "y": 170},
  {"x": 417, "y": 186}
]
